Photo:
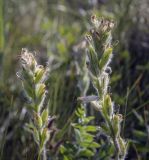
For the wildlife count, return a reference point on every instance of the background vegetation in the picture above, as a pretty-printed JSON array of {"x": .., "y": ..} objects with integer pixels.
[{"x": 55, "y": 30}]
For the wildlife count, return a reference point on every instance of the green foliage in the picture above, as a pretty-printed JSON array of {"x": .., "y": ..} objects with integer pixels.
[
  {"x": 55, "y": 29},
  {"x": 84, "y": 145}
]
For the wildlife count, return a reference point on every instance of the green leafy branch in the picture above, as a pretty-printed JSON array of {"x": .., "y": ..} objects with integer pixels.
[{"x": 84, "y": 145}]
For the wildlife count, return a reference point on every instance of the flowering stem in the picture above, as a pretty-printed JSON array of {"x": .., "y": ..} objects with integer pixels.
[
  {"x": 100, "y": 54},
  {"x": 33, "y": 80}
]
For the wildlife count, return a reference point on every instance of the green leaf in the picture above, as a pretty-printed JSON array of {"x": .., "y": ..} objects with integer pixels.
[
  {"x": 28, "y": 87},
  {"x": 86, "y": 153},
  {"x": 140, "y": 135},
  {"x": 105, "y": 59},
  {"x": 39, "y": 91},
  {"x": 105, "y": 129},
  {"x": 44, "y": 116},
  {"x": 38, "y": 120},
  {"x": 87, "y": 136},
  {"x": 90, "y": 145},
  {"x": 44, "y": 137},
  {"x": 80, "y": 112},
  {"x": 93, "y": 60},
  {"x": 61, "y": 48},
  {"x": 32, "y": 129},
  {"x": 88, "y": 119},
  {"x": 90, "y": 129},
  {"x": 39, "y": 72},
  {"x": 67, "y": 158},
  {"x": 107, "y": 108},
  {"x": 36, "y": 135},
  {"x": 116, "y": 125},
  {"x": 62, "y": 149},
  {"x": 78, "y": 135}
]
